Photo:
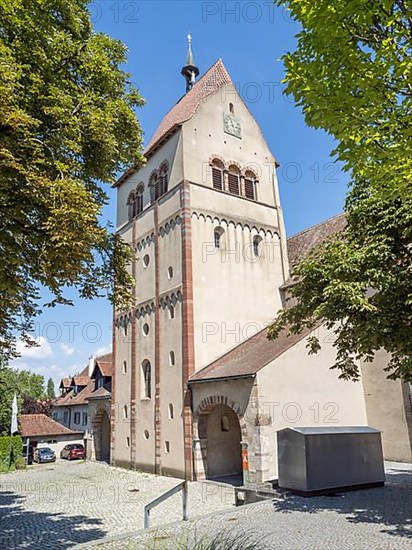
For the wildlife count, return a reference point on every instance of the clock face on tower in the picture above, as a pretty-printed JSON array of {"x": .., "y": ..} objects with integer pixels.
[{"x": 231, "y": 125}]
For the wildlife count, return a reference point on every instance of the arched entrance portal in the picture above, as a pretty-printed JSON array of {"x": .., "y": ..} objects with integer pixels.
[
  {"x": 218, "y": 432},
  {"x": 105, "y": 437},
  {"x": 223, "y": 436},
  {"x": 101, "y": 435}
]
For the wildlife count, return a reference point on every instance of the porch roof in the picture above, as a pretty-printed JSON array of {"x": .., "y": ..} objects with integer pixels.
[{"x": 249, "y": 357}]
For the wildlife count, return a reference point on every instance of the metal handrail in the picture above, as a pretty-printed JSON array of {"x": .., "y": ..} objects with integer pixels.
[{"x": 181, "y": 487}]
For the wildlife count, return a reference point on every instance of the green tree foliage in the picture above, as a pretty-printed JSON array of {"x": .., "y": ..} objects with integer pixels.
[
  {"x": 351, "y": 74},
  {"x": 51, "y": 394},
  {"x": 24, "y": 383},
  {"x": 11, "y": 447},
  {"x": 67, "y": 125}
]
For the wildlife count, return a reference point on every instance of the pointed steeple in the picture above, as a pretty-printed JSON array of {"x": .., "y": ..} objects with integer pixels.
[{"x": 190, "y": 71}]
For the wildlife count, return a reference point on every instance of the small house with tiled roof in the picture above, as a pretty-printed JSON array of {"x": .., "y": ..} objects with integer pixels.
[
  {"x": 86, "y": 406},
  {"x": 39, "y": 430},
  {"x": 198, "y": 390}
]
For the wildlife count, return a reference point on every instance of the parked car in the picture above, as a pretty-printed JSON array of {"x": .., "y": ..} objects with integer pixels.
[
  {"x": 44, "y": 454},
  {"x": 74, "y": 450}
]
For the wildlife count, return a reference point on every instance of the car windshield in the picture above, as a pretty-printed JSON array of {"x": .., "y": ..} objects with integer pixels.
[
  {"x": 78, "y": 447},
  {"x": 45, "y": 450}
]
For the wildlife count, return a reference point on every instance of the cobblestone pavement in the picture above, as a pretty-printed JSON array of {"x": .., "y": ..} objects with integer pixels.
[
  {"x": 67, "y": 503},
  {"x": 379, "y": 518}
]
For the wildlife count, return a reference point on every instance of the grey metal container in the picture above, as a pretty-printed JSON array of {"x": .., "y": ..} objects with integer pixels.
[{"x": 325, "y": 459}]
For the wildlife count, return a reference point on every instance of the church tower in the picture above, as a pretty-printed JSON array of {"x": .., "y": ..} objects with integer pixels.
[{"x": 205, "y": 220}]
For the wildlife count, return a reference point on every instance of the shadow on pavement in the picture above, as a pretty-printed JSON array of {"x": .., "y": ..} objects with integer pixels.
[
  {"x": 390, "y": 505},
  {"x": 21, "y": 528}
]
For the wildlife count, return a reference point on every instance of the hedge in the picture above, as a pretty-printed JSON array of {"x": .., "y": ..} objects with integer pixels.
[{"x": 16, "y": 451}]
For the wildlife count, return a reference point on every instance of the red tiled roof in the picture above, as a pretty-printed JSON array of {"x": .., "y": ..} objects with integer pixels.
[
  {"x": 32, "y": 425},
  {"x": 302, "y": 243},
  {"x": 249, "y": 357},
  {"x": 100, "y": 393},
  {"x": 216, "y": 77},
  {"x": 106, "y": 364},
  {"x": 62, "y": 401},
  {"x": 82, "y": 396},
  {"x": 81, "y": 380},
  {"x": 79, "y": 399},
  {"x": 65, "y": 383}
]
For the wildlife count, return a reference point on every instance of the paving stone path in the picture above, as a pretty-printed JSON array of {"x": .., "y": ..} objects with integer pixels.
[
  {"x": 67, "y": 503},
  {"x": 93, "y": 505},
  {"x": 379, "y": 518}
]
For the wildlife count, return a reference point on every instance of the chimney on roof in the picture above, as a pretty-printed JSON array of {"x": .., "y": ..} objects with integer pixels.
[
  {"x": 92, "y": 361},
  {"x": 190, "y": 71}
]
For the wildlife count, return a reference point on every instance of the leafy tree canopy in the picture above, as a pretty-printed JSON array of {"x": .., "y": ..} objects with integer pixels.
[
  {"x": 51, "y": 394},
  {"x": 351, "y": 74},
  {"x": 25, "y": 384},
  {"x": 67, "y": 124}
]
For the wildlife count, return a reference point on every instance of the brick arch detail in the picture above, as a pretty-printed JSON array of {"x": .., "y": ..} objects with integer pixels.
[
  {"x": 209, "y": 403},
  {"x": 205, "y": 408}
]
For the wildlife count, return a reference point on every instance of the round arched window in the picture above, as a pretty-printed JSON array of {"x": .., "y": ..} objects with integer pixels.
[
  {"x": 218, "y": 234},
  {"x": 257, "y": 245}
]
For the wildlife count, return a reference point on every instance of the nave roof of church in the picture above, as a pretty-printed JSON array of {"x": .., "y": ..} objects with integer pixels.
[{"x": 300, "y": 244}]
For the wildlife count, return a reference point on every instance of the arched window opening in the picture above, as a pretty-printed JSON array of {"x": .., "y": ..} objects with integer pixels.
[
  {"x": 218, "y": 234},
  {"x": 154, "y": 186},
  {"x": 130, "y": 205},
  {"x": 257, "y": 246},
  {"x": 163, "y": 178},
  {"x": 147, "y": 379},
  {"x": 138, "y": 201},
  {"x": 172, "y": 358},
  {"x": 171, "y": 312},
  {"x": 171, "y": 413},
  {"x": 250, "y": 186},
  {"x": 125, "y": 412},
  {"x": 124, "y": 367},
  {"x": 217, "y": 174},
  {"x": 231, "y": 108},
  {"x": 170, "y": 272},
  {"x": 234, "y": 180}
]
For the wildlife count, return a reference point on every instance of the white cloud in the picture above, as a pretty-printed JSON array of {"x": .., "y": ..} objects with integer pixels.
[
  {"x": 67, "y": 350},
  {"x": 102, "y": 350},
  {"x": 41, "y": 351}
]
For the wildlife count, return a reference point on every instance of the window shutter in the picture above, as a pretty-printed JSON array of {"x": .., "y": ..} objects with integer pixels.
[
  {"x": 250, "y": 189},
  {"x": 164, "y": 182},
  {"x": 156, "y": 188},
  {"x": 233, "y": 180},
  {"x": 217, "y": 177}
]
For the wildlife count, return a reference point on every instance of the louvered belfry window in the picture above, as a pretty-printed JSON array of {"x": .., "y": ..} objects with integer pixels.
[
  {"x": 156, "y": 187},
  {"x": 250, "y": 186},
  {"x": 217, "y": 174},
  {"x": 234, "y": 180},
  {"x": 130, "y": 206},
  {"x": 138, "y": 201}
]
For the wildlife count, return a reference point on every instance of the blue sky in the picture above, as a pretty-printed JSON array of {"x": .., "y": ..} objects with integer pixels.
[{"x": 250, "y": 37}]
